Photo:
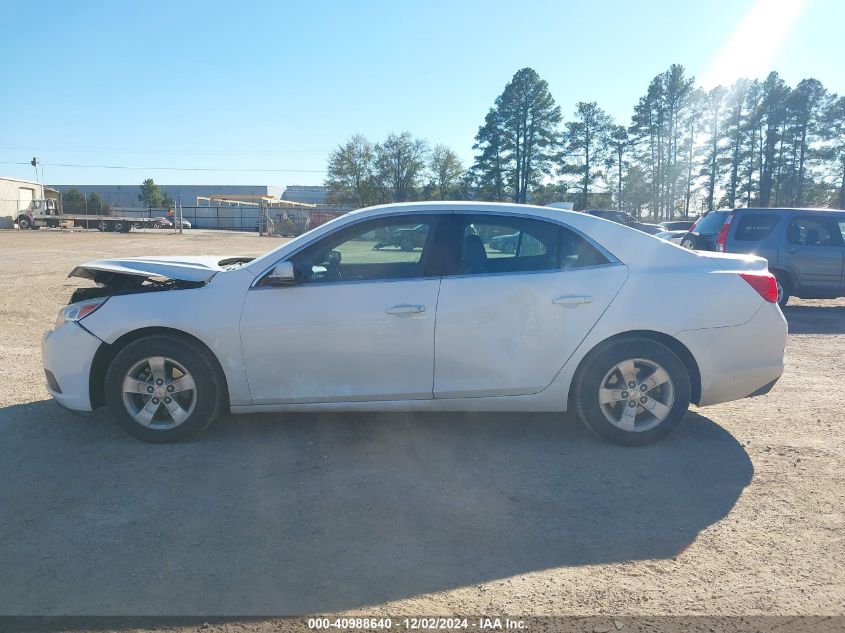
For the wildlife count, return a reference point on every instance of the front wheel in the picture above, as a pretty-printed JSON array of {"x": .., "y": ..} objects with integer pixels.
[
  {"x": 632, "y": 392},
  {"x": 24, "y": 223},
  {"x": 164, "y": 389}
]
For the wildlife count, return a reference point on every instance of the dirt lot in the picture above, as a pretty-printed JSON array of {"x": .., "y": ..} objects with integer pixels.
[{"x": 740, "y": 511}]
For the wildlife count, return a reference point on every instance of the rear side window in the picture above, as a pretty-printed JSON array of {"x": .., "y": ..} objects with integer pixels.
[
  {"x": 755, "y": 227},
  {"x": 710, "y": 222},
  {"x": 814, "y": 231},
  {"x": 497, "y": 244}
]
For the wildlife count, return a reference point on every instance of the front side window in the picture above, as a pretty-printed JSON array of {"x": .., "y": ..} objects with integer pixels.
[
  {"x": 809, "y": 231},
  {"x": 495, "y": 244},
  {"x": 755, "y": 227},
  {"x": 380, "y": 249}
]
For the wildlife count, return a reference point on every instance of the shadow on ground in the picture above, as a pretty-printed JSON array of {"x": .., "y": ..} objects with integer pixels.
[
  {"x": 304, "y": 513},
  {"x": 815, "y": 319}
]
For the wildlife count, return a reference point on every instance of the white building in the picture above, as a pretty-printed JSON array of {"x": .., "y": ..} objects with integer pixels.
[
  {"x": 16, "y": 195},
  {"x": 127, "y": 195}
]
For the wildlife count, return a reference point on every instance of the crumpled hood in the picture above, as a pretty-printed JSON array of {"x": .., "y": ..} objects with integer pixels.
[{"x": 178, "y": 268}]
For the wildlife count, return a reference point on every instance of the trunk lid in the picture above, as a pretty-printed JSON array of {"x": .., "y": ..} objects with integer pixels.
[{"x": 734, "y": 261}]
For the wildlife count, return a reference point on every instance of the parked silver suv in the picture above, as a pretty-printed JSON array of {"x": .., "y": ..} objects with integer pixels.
[{"x": 805, "y": 247}]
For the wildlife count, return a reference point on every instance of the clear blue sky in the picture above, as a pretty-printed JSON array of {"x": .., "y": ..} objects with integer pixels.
[{"x": 277, "y": 85}]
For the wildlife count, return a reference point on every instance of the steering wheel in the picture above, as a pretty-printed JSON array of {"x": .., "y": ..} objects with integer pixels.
[{"x": 333, "y": 268}]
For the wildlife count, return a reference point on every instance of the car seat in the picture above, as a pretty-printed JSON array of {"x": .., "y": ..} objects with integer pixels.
[{"x": 475, "y": 257}]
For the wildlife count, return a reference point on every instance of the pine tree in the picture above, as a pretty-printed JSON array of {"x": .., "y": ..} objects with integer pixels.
[{"x": 586, "y": 143}]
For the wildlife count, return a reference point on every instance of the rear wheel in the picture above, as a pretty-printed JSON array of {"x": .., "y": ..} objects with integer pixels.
[
  {"x": 688, "y": 242},
  {"x": 784, "y": 289},
  {"x": 632, "y": 392},
  {"x": 164, "y": 389}
]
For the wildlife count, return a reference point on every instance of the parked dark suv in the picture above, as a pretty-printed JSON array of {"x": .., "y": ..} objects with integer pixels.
[{"x": 805, "y": 247}]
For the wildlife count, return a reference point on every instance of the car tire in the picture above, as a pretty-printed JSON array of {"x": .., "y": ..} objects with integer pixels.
[
  {"x": 138, "y": 390},
  {"x": 688, "y": 243},
  {"x": 630, "y": 416},
  {"x": 784, "y": 289},
  {"x": 24, "y": 224}
]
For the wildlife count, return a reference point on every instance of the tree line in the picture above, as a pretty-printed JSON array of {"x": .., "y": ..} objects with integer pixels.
[{"x": 685, "y": 150}]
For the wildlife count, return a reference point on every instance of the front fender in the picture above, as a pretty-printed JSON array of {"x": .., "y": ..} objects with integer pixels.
[{"x": 211, "y": 314}]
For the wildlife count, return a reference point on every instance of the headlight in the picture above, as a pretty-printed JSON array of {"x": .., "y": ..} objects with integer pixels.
[{"x": 79, "y": 310}]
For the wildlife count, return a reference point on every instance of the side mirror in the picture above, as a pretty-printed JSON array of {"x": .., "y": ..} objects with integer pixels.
[{"x": 281, "y": 275}]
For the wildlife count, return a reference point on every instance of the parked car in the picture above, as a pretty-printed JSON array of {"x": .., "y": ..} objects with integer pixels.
[
  {"x": 672, "y": 236},
  {"x": 505, "y": 243},
  {"x": 627, "y": 219},
  {"x": 587, "y": 314},
  {"x": 677, "y": 225},
  {"x": 185, "y": 223},
  {"x": 805, "y": 248},
  {"x": 162, "y": 223},
  {"x": 406, "y": 238}
]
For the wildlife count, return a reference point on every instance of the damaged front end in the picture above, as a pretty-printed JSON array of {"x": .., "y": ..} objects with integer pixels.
[
  {"x": 133, "y": 276},
  {"x": 122, "y": 284}
]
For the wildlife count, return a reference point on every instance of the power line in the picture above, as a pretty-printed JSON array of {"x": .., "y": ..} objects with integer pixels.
[
  {"x": 175, "y": 150},
  {"x": 289, "y": 171}
]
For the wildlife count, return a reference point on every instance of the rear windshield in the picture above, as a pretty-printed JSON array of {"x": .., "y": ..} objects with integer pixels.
[
  {"x": 755, "y": 227},
  {"x": 711, "y": 222}
]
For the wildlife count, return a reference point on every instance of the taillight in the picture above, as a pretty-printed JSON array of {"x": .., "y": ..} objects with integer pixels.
[
  {"x": 723, "y": 233},
  {"x": 764, "y": 284}
]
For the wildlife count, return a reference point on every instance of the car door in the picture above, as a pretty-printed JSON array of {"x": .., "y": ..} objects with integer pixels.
[
  {"x": 509, "y": 317},
  {"x": 356, "y": 324},
  {"x": 812, "y": 249}
]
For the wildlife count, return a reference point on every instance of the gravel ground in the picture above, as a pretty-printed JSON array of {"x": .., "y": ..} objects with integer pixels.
[{"x": 739, "y": 512}]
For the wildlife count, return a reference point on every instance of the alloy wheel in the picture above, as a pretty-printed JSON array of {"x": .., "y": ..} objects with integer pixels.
[
  {"x": 159, "y": 393},
  {"x": 636, "y": 395}
]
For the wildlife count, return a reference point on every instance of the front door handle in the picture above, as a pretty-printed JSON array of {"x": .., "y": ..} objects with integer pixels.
[
  {"x": 406, "y": 309},
  {"x": 572, "y": 301}
]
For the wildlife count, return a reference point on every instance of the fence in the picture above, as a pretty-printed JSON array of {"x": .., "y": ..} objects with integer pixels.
[{"x": 287, "y": 221}]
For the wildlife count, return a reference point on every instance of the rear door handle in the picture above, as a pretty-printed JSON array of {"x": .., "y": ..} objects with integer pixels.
[
  {"x": 406, "y": 309},
  {"x": 572, "y": 301}
]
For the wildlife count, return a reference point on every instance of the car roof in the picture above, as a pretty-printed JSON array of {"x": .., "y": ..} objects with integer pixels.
[{"x": 782, "y": 210}]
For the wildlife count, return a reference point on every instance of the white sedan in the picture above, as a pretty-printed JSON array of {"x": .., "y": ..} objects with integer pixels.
[{"x": 582, "y": 313}]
